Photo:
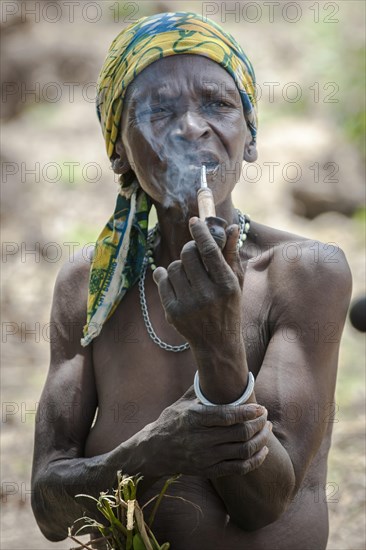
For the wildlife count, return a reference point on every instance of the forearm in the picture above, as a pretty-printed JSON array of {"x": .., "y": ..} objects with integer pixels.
[
  {"x": 261, "y": 496},
  {"x": 54, "y": 488}
]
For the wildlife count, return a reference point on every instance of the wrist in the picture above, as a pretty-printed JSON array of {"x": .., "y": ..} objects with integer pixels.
[
  {"x": 241, "y": 401},
  {"x": 150, "y": 451},
  {"x": 218, "y": 350},
  {"x": 223, "y": 377},
  {"x": 136, "y": 455}
]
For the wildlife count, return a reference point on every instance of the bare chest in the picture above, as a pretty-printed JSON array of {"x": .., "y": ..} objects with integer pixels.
[{"x": 136, "y": 379}]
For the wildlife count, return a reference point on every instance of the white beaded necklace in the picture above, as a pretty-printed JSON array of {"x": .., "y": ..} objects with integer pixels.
[{"x": 244, "y": 227}]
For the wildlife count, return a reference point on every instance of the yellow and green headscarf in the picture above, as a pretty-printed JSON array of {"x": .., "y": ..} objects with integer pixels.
[{"x": 120, "y": 248}]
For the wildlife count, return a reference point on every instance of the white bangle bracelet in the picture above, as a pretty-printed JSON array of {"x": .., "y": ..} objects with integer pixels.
[{"x": 243, "y": 399}]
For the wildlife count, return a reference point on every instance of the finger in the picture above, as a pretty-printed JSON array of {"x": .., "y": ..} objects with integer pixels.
[
  {"x": 240, "y": 432},
  {"x": 193, "y": 266},
  {"x": 231, "y": 252},
  {"x": 165, "y": 289},
  {"x": 237, "y": 467},
  {"x": 190, "y": 394},
  {"x": 178, "y": 278},
  {"x": 158, "y": 274},
  {"x": 229, "y": 415},
  {"x": 245, "y": 450},
  {"x": 210, "y": 253}
]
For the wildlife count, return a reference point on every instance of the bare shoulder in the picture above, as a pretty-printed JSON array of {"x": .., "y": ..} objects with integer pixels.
[
  {"x": 304, "y": 271},
  {"x": 71, "y": 287}
]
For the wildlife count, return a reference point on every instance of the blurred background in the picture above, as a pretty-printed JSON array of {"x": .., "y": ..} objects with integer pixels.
[{"x": 58, "y": 191}]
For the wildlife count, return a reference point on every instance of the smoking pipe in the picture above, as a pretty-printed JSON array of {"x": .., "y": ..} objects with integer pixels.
[{"x": 207, "y": 212}]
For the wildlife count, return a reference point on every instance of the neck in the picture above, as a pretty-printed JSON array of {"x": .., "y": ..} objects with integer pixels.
[{"x": 174, "y": 231}]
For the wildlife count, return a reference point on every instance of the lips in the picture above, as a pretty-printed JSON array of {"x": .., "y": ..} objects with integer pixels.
[
  {"x": 210, "y": 160},
  {"x": 212, "y": 169}
]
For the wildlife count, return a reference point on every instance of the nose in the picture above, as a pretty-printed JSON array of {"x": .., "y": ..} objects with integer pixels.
[{"x": 191, "y": 126}]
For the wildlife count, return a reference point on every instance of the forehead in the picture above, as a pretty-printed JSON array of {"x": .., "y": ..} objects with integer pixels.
[{"x": 175, "y": 73}]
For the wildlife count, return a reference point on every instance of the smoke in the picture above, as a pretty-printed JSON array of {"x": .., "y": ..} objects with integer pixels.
[{"x": 179, "y": 159}]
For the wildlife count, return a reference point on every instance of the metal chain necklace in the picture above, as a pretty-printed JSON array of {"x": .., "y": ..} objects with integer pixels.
[{"x": 244, "y": 226}]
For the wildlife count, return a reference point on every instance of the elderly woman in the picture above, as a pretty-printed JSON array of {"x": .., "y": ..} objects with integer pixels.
[{"x": 177, "y": 329}]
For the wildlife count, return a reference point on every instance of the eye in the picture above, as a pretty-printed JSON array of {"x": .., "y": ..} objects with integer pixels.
[
  {"x": 220, "y": 104},
  {"x": 152, "y": 113},
  {"x": 158, "y": 109}
]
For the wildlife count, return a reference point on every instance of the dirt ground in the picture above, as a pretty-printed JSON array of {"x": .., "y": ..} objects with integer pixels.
[{"x": 46, "y": 217}]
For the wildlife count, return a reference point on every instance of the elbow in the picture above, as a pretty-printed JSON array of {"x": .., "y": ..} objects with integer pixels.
[{"x": 41, "y": 501}]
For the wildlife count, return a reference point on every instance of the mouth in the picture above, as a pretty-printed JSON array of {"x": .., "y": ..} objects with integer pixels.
[
  {"x": 211, "y": 168},
  {"x": 211, "y": 161}
]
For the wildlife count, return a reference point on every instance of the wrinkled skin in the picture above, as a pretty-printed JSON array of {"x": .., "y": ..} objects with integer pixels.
[{"x": 258, "y": 470}]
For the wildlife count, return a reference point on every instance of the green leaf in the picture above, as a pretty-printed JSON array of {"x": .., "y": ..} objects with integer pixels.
[
  {"x": 138, "y": 542},
  {"x": 114, "y": 508}
]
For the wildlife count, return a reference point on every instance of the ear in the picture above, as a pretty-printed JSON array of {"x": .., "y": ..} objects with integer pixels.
[
  {"x": 250, "y": 149},
  {"x": 119, "y": 160}
]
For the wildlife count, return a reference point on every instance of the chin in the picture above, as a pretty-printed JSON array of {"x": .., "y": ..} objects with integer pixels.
[
  {"x": 180, "y": 207},
  {"x": 183, "y": 212}
]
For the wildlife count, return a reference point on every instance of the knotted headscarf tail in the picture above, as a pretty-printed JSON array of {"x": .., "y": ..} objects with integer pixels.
[{"x": 120, "y": 247}]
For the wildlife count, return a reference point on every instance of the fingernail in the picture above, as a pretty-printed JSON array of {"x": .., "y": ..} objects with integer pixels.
[
  {"x": 270, "y": 425},
  {"x": 254, "y": 407},
  {"x": 155, "y": 275},
  {"x": 261, "y": 410},
  {"x": 233, "y": 229},
  {"x": 265, "y": 450},
  {"x": 193, "y": 220}
]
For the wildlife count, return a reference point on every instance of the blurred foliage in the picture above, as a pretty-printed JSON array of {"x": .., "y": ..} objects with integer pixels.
[
  {"x": 337, "y": 56},
  {"x": 71, "y": 179},
  {"x": 81, "y": 233},
  {"x": 328, "y": 57},
  {"x": 360, "y": 216}
]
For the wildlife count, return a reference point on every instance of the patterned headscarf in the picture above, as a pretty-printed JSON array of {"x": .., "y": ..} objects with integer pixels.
[{"x": 120, "y": 248}]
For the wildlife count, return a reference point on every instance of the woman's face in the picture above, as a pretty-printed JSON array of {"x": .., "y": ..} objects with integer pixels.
[{"x": 179, "y": 113}]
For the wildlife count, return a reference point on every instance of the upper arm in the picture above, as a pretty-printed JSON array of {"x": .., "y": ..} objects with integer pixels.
[
  {"x": 69, "y": 397},
  {"x": 297, "y": 378}
]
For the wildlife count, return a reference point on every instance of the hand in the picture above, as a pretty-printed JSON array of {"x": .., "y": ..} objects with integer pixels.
[
  {"x": 202, "y": 290},
  {"x": 210, "y": 442}
]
